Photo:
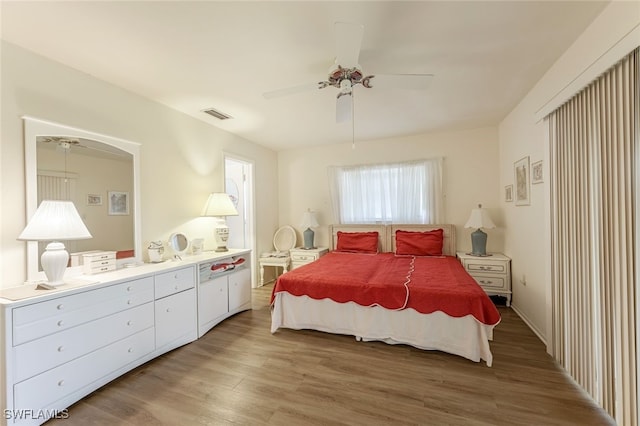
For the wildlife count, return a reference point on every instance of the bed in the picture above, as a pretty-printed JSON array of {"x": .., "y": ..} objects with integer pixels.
[{"x": 400, "y": 284}]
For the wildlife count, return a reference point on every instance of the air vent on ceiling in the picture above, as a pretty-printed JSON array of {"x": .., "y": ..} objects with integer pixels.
[{"x": 217, "y": 114}]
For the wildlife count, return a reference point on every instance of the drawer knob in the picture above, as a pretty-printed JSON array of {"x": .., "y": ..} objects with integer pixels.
[
  {"x": 168, "y": 309},
  {"x": 129, "y": 288},
  {"x": 61, "y": 383},
  {"x": 130, "y": 350},
  {"x": 60, "y": 323},
  {"x": 60, "y": 307},
  {"x": 175, "y": 276},
  {"x": 129, "y": 322},
  {"x": 129, "y": 302},
  {"x": 175, "y": 288},
  {"x": 60, "y": 348}
]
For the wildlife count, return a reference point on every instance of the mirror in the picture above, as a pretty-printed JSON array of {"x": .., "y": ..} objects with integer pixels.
[
  {"x": 179, "y": 244},
  {"x": 99, "y": 174}
]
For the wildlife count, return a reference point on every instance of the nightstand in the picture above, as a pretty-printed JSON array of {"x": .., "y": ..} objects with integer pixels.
[
  {"x": 492, "y": 273},
  {"x": 300, "y": 256}
]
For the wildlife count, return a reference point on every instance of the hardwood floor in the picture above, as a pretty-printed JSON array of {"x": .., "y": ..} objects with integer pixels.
[{"x": 239, "y": 373}]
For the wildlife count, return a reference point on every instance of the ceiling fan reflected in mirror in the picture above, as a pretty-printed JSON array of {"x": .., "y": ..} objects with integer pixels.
[{"x": 346, "y": 73}]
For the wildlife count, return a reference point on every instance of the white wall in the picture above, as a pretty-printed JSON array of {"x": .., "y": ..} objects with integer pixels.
[
  {"x": 181, "y": 158},
  {"x": 612, "y": 34},
  {"x": 471, "y": 176}
]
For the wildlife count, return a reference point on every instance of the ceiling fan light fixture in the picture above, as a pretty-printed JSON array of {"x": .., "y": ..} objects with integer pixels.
[{"x": 345, "y": 87}]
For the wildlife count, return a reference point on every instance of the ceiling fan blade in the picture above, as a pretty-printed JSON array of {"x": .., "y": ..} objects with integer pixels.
[
  {"x": 344, "y": 107},
  {"x": 400, "y": 81},
  {"x": 348, "y": 41},
  {"x": 293, "y": 90}
]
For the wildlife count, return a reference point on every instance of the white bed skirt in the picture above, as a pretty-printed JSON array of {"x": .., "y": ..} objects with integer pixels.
[{"x": 466, "y": 336}]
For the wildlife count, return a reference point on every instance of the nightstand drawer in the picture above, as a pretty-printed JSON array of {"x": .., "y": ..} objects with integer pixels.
[
  {"x": 500, "y": 268},
  {"x": 490, "y": 281},
  {"x": 299, "y": 257}
]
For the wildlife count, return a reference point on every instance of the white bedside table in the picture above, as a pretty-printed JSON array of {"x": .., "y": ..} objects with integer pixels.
[
  {"x": 492, "y": 273},
  {"x": 301, "y": 256}
]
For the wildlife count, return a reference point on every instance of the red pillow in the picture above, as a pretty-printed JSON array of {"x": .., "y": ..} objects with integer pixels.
[
  {"x": 427, "y": 243},
  {"x": 358, "y": 242}
]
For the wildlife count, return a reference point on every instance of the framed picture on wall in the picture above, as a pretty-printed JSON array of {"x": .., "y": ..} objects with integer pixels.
[
  {"x": 94, "y": 200},
  {"x": 508, "y": 193},
  {"x": 536, "y": 172},
  {"x": 522, "y": 185},
  {"x": 118, "y": 203}
]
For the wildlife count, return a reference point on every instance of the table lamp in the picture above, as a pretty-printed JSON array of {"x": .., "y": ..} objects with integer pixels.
[
  {"x": 479, "y": 219},
  {"x": 55, "y": 221},
  {"x": 220, "y": 205},
  {"x": 308, "y": 221}
]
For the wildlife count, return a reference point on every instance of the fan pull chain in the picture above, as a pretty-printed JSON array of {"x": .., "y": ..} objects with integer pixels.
[{"x": 353, "y": 122}]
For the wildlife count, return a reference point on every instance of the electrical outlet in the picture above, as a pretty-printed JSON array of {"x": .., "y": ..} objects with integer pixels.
[{"x": 523, "y": 280}]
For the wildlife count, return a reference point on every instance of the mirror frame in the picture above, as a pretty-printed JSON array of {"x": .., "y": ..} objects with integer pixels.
[
  {"x": 34, "y": 127},
  {"x": 174, "y": 241}
]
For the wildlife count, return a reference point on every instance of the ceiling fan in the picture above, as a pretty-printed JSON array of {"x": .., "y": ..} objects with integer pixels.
[
  {"x": 65, "y": 145},
  {"x": 346, "y": 73}
]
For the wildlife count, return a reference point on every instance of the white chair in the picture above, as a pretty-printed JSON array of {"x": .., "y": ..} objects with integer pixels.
[{"x": 283, "y": 240}]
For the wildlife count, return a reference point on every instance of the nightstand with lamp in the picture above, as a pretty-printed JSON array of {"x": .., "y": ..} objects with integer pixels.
[{"x": 492, "y": 271}]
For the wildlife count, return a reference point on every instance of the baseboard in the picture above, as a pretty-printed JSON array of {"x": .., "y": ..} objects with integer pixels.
[{"x": 524, "y": 318}]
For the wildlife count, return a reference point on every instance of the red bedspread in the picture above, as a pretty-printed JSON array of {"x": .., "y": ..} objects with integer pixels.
[{"x": 431, "y": 284}]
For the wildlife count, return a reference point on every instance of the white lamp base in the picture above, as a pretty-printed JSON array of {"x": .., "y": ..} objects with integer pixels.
[
  {"x": 221, "y": 234},
  {"x": 54, "y": 263}
]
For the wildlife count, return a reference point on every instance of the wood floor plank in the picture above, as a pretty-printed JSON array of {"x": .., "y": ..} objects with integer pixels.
[{"x": 241, "y": 374}]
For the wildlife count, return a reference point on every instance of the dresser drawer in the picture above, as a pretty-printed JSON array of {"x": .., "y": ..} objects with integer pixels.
[
  {"x": 51, "y": 351},
  {"x": 174, "y": 282},
  {"x": 40, "y": 319},
  {"x": 176, "y": 317},
  {"x": 41, "y": 391},
  {"x": 491, "y": 281}
]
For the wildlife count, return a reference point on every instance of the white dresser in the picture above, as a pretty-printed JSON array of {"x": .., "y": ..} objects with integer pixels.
[{"x": 60, "y": 345}]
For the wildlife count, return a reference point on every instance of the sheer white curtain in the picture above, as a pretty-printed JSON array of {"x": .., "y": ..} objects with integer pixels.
[{"x": 408, "y": 192}]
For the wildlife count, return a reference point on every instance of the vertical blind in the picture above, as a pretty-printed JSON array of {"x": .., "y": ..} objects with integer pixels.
[{"x": 594, "y": 140}]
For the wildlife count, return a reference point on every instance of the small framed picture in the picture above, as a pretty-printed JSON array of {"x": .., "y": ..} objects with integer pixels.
[
  {"x": 508, "y": 193},
  {"x": 94, "y": 200},
  {"x": 536, "y": 172},
  {"x": 522, "y": 186},
  {"x": 118, "y": 203}
]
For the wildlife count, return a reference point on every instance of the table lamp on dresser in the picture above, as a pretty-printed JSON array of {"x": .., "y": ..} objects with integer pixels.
[
  {"x": 55, "y": 221},
  {"x": 219, "y": 205}
]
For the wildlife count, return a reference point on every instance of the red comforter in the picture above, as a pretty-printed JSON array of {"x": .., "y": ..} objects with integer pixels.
[{"x": 425, "y": 284}]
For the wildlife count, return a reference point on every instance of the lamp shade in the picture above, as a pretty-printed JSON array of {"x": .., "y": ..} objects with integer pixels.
[
  {"x": 219, "y": 204},
  {"x": 479, "y": 219},
  {"x": 309, "y": 220},
  {"x": 55, "y": 221}
]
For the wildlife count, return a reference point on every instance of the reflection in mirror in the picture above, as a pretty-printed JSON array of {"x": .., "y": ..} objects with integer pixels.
[
  {"x": 179, "y": 244},
  {"x": 92, "y": 170}
]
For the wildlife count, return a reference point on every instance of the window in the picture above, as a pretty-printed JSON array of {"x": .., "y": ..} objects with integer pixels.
[{"x": 409, "y": 192}]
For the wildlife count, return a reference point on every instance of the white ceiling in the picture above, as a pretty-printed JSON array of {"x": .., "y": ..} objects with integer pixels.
[{"x": 190, "y": 56}]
